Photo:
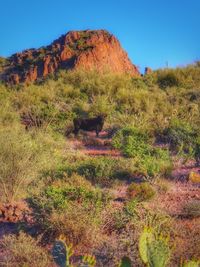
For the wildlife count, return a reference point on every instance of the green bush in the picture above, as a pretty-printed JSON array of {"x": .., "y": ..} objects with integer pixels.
[
  {"x": 181, "y": 137},
  {"x": 74, "y": 188},
  {"x": 68, "y": 208},
  {"x": 131, "y": 141},
  {"x": 141, "y": 191},
  {"x": 97, "y": 170},
  {"x": 157, "y": 164},
  {"x": 149, "y": 161},
  {"x": 58, "y": 197},
  {"x": 104, "y": 170}
]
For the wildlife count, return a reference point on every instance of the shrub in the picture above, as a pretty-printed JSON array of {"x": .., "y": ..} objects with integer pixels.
[
  {"x": 20, "y": 163},
  {"x": 131, "y": 141},
  {"x": 116, "y": 220},
  {"x": 104, "y": 170},
  {"x": 157, "y": 164},
  {"x": 142, "y": 191},
  {"x": 180, "y": 135},
  {"x": 149, "y": 161},
  {"x": 167, "y": 78},
  {"x": 163, "y": 185},
  {"x": 97, "y": 170},
  {"x": 60, "y": 194},
  {"x": 59, "y": 197},
  {"x": 131, "y": 206},
  {"x": 67, "y": 209},
  {"x": 192, "y": 209},
  {"x": 187, "y": 236},
  {"x": 23, "y": 250},
  {"x": 8, "y": 116},
  {"x": 77, "y": 223}
]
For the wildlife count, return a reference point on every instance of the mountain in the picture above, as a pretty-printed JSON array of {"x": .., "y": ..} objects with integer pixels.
[{"x": 89, "y": 49}]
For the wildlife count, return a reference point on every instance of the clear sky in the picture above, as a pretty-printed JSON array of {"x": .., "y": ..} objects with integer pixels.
[{"x": 151, "y": 31}]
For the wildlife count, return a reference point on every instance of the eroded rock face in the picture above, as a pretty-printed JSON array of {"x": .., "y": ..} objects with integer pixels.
[{"x": 77, "y": 49}]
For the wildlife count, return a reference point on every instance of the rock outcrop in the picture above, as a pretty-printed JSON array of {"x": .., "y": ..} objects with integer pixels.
[
  {"x": 87, "y": 50},
  {"x": 147, "y": 71},
  {"x": 14, "y": 212}
]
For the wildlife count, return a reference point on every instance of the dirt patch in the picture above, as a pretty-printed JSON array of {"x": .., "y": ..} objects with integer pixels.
[
  {"x": 91, "y": 145},
  {"x": 173, "y": 201}
]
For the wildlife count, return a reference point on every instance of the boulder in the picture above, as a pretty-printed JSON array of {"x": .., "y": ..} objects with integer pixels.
[
  {"x": 147, "y": 71},
  {"x": 194, "y": 177}
]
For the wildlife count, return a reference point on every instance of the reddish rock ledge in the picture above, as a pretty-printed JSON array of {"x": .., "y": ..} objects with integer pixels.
[{"x": 87, "y": 50}]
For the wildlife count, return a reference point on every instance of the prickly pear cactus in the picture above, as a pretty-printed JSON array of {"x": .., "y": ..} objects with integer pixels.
[
  {"x": 61, "y": 253},
  {"x": 153, "y": 248},
  {"x": 88, "y": 261},
  {"x": 159, "y": 253},
  {"x": 145, "y": 239},
  {"x": 125, "y": 262},
  {"x": 192, "y": 263}
]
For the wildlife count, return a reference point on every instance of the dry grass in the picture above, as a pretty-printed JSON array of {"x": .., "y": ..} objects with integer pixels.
[{"x": 23, "y": 250}]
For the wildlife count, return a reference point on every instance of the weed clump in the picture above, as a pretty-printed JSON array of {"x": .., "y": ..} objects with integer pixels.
[{"x": 141, "y": 191}]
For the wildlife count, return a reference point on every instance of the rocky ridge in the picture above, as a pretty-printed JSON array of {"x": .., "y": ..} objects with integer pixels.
[{"x": 87, "y": 50}]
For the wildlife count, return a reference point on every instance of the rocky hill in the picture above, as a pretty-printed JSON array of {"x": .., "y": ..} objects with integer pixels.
[{"x": 88, "y": 50}]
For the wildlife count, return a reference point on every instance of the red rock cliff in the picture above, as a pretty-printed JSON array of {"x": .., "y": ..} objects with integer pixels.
[{"x": 77, "y": 49}]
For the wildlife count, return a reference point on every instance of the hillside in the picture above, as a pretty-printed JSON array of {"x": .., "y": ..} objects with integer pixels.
[
  {"x": 101, "y": 193},
  {"x": 89, "y": 50}
]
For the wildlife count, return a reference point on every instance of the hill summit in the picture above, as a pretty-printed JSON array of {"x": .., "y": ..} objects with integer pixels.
[{"x": 89, "y": 49}]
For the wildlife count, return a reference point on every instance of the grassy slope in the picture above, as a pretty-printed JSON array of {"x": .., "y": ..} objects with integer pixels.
[{"x": 163, "y": 106}]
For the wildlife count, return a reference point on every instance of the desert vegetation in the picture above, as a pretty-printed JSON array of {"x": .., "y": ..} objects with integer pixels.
[{"x": 130, "y": 207}]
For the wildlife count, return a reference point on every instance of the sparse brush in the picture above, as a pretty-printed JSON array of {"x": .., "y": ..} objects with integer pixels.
[
  {"x": 23, "y": 250},
  {"x": 21, "y": 162},
  {"x": 192, "y": 209},
  {"x": 141, "y": 191},
  {"x": 162, "y": 185}
]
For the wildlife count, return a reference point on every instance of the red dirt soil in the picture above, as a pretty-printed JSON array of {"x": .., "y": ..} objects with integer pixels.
[{"x": 95, "y": 146}]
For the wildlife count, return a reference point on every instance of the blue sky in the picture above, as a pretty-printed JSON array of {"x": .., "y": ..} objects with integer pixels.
[{"x": 151, "y": 31}]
